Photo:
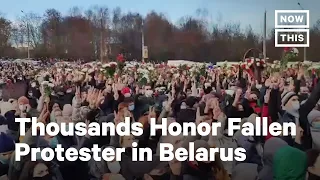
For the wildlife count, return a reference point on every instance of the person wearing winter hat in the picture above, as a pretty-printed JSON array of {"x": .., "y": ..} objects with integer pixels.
[
  {"x": 7, "y": 146},
  {"x": 290, "y": 104},
  {"x": 290, "y": 163},
  {"x": 126, "y": 92},
  {"x": 314, "y": 120}
]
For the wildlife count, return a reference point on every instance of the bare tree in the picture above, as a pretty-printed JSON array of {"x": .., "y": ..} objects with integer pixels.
[{"x": 30, "y": 25}]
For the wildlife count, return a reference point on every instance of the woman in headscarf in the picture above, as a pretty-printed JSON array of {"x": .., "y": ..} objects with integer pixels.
[
  {"x": 271, "y": 146},
  {"x": 314, "y": 121},
  {"x": 289, "y": 163}
]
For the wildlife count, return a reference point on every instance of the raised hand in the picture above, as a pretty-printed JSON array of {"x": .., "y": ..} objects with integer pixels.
[
  {"x": 267, "y": 96},
  {"x": 90, "y": 93},
  {"x": 152, "y": 113},
  {"x": 115, "y": 92},
  {"x": 100, "y": 98},
  {"x": 168, "y": 104},
  {"x": 199, "y": 119},
  {"x": 248, "y": 92},
  {"x": 117, "y": 118},
  {"x": 78, "y": 95}
]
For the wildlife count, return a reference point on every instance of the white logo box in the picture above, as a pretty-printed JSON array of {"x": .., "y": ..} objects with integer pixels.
[
  {"x": 291, "y": 45},
  {"x": 277, "y": 12}
]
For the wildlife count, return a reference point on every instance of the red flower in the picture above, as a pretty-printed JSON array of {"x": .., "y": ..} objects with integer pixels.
[
  {"x": 120, "y": 58},
  {"x": 286, "y": 49},
  {"x": 113, "y": 65}
]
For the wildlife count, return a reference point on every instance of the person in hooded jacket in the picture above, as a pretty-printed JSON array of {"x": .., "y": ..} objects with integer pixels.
[
  {"x": 289, "y": 163},
  {"x": 7, "y": 146},
  {"x": 293, "y": 111},
  {"x": 313, "y": 164},
  {"x": 271, "y": 146},
  {"x": 314, "y": 121}
]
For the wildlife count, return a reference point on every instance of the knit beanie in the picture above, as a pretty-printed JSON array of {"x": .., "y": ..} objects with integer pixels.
[
  {"x": 6, "y": 143},
  {"x": 23, "y": 100},
  {"x": 126, "y": 92},
  {"x": 314, "y": 114},
  {"x": 286, "y": 96}
]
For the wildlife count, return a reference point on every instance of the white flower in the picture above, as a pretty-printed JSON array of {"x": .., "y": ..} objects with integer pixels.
[
  {"x": 33, "y": 84},
  {"x": 84, "y": 70},
  {"x": 50, "y": 85},
  {"x": 90, "y": 71},
  {"x": 44, "y": 82},
  {"x": 105, "y": 65},
  {"x": 176, "y": 75}
]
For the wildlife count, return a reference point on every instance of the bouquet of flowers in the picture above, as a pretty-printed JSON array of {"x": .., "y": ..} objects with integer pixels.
[
  {"x": 275, "y": 67},
  {"x": 120, "y": 62},
  {"x": 314, "y": 70},
  {"x": 143, "y": 76},
  {"x": 288, "y": 55},
  {"x": 110, "y": 69},
  {"x": 47, "y": 88}
]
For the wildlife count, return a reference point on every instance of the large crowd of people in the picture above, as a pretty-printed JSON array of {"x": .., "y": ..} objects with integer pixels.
[{"x": 109, "y": 92}]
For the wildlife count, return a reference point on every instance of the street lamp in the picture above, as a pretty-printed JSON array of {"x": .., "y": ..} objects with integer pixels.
[
  {"x": 304, "y": 48},
  {"x": 142, "y": 40},
  {"x": 28, "y": 38}
]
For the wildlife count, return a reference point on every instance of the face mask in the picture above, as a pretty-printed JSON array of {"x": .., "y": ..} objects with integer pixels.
[
  {"x": 149, "y": 93},
  {"x": 258, "y": 86},
  {"x": 316, "y": 125},
  {"x": 114, "y": 167},
  {"x": 53, "y": 142},
  {"x": 4, "y": 160},
  {"x": 46, "y": 177},
  {"x": 131, "y": 107},
  {"x": 295, "y": 105}
]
